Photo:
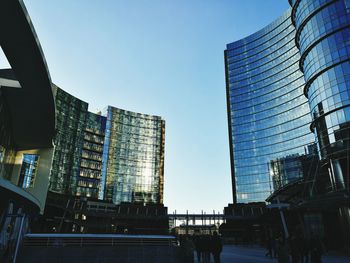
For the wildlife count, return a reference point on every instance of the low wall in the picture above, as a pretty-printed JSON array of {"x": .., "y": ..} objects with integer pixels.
[{"x": 116, "y": 254}]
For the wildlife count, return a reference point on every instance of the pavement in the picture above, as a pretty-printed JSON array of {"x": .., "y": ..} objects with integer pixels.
[{"x": 242, "y": 254}]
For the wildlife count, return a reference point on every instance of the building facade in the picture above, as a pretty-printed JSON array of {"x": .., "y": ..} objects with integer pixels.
[
  {"x": 268, "y": 114},
  {"x": 55, "y": 154},
  {"x": 26, "y": 126},
  {"x": 323, "y": 39},
  {"x": 133, "y": 158},
  {"x": 310, "y": 174},
  {"x": 71, "y": 114},
  {"x": 117, "y": 156},
  {"x": 91, "y": 156}
]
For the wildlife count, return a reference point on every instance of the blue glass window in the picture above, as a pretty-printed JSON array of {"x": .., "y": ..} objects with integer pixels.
[{"x": 28, "y": 170}]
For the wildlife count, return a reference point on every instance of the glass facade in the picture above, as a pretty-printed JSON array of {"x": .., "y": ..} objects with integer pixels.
[
  {"x": 269, "y": 117},
  {"x": 293, "y": 168},
  {"x": 68, "y": 141},
  {"x": 91, "y": 157},
  {"x": 133, "y": 158},
  {"x": 118, "y": 157},
  {"x": 323, "y": 38},
  {"x": 285, "y": 170}
]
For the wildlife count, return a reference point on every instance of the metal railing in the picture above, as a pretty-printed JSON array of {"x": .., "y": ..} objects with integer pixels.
[{"x": 86, "y": 240}]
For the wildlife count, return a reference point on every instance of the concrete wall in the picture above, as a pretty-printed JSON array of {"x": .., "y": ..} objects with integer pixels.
[
  {"x": 115, "y": 254},
  {"x": 41, "y": 183}
]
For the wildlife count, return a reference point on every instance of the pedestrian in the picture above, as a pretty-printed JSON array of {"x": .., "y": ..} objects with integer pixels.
[
  {"x": 216, "y": 247},
  {"x": 269, "y": 247},
  {"x": 198, "y": 244},
  {"x": 187, "y": 248},
  {"x": 274, "y": 247},
  {"x": 206, "y": 248}
]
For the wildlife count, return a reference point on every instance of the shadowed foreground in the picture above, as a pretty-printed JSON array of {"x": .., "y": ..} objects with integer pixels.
[
  {"x": 133, "y": 249},
  {"x": 239, "y": 254},
  {"x": 93, "y": 248},
  {"x": 121, "y": 254}
]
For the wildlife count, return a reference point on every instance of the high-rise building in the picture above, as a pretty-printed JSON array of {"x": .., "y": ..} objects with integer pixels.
[
  {"x": 91, "y": 156},
  {"x": 290, "y": 76},
  {"x": 117, "y": 157},
  {"x": 55, "y": 154},
  {"x": 323, "y": 39},
  {"x": 287, "y": 82},
  {"x": 268, "y": 114},
  {"x": 107, "y": 172},
  {"x": 71, "y": 119},
  {"x": 133, "y": 158}
]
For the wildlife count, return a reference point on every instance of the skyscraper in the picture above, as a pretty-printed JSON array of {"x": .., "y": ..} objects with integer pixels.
[
  {"x": 71, "y": 118},
  {"x": 91, "y": 156},
  {"x": 268, "y": 114},
  {"x": 323, "y": 39},
  {"x": 133, "y": 158},
  {"x": 284, "y": 79},
  {"x": 288, "y": 98},
  {"x": 117, "y": 156}
]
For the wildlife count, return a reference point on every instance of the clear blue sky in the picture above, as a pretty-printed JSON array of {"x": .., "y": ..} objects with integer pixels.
[{"x": 161, "y": 57}]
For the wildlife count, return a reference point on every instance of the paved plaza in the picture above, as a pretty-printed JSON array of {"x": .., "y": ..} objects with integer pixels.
[{"x": 239, "y": 254}]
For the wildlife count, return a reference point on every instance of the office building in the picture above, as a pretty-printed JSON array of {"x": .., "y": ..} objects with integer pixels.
[
  {"x": 133, "y": 158},
  {"x": 117, "y": 156},
  {"x": 113, "y": 160},
  {"x": 71, "y": 118},
  {"x": 323, "y": 39},
  {"x": 91, "y": 156},
  {"x": 54, "y": 153},
  {"x": 268, "y": 114},
  {"x": 294, "y": 73}
]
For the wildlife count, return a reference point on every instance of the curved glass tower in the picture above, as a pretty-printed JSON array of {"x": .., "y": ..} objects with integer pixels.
[
  {"x": 117, "y": 158},
  {"x": 269, "y": 117},
  {"x": 133, "y": 158},
  {"x": 323, "y": 38},
  {"x": 71, "y": 117}
]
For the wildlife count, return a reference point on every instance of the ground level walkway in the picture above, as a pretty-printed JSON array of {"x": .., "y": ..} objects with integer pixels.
[{"x": 239, "y": 254}]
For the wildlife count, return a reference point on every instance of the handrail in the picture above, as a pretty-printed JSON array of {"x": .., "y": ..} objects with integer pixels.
[{"x": 84, "y": 240}]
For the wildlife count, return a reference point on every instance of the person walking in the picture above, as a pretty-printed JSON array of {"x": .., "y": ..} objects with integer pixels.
[
  {"x": 198, "y": 244},
  {"x": 187, "y": 247},
  {"x": 216, "y": 247},
  {"x": 206, "y": 248},
  {"x": 269, "y": 247}
]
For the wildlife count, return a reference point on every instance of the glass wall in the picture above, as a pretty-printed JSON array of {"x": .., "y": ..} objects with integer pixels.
[
  {"x": 118, "y": 157},
  {"x": 269, "y": 117},
  {"x": 133, "y": 158},
  {"x": 70, "y": 122},
  {"x": 91, "y": 157},
  {"x": 292, "y": 168},
  {"x": 323, "y": 38}
]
